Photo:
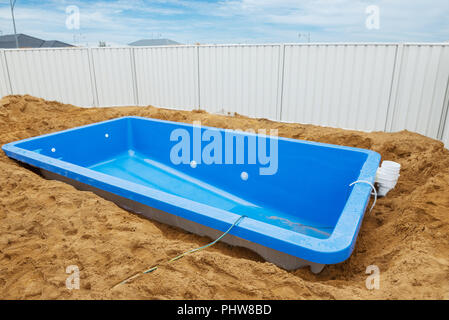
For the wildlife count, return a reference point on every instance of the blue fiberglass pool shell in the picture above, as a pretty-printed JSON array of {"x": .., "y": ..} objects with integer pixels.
[{"x": 306, "y": 209}]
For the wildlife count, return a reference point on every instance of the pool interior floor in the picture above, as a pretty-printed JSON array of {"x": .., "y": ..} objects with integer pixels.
[{"x": 141, "y": 169}]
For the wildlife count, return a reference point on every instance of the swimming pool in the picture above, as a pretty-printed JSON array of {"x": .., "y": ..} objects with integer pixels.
[{"x": 300, "y": 208}]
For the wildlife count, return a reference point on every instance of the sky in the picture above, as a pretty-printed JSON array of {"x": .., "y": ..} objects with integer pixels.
[{"x": 230, "y": 21}]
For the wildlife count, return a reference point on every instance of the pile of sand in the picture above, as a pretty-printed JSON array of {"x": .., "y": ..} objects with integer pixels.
[{"x": 46, "y": 226}]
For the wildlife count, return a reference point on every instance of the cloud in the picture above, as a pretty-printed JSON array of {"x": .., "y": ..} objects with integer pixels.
[{"x": 223, "y": 21}]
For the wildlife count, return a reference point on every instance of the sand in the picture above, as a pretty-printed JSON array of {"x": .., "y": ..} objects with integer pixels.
[{"x": 47, "y": 225}]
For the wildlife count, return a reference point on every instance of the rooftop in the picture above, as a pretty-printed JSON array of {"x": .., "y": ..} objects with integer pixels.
[
  {"x": 154, "y": 42},
  {"x": 25, "y": 41}
]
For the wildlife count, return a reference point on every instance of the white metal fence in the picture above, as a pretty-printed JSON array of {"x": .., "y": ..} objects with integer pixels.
[{"x": 387, "y": 87}]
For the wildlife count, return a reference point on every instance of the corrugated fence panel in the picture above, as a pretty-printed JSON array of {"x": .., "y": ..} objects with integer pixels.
[
  {"x": 4, "y": 81},
  {"x": 368, "y": 87},
  {"x": 422, "y": 83},
  {"x": 167, "y": 76},
  {"x": 54, "y": 74},
  {"x": 113, "y": 76},
  {"x": 346, "y": 86},
  {"x": 243, "y": 79}
]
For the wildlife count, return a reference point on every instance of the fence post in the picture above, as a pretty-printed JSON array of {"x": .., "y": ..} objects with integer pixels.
[
  {"x": 444, "y": 125},
  {"x": 198, "y": 75},
  {"x": 134, "y": 77},
  {"x": 93, "y": 80},
  {"x": 394, "y": 88},
  {"x": 280, "y": 82}
]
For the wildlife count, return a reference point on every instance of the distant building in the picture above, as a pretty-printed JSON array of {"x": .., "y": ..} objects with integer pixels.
[
  {"x": 25, "y": 41},
  {"x": 153, "y": 42}
]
